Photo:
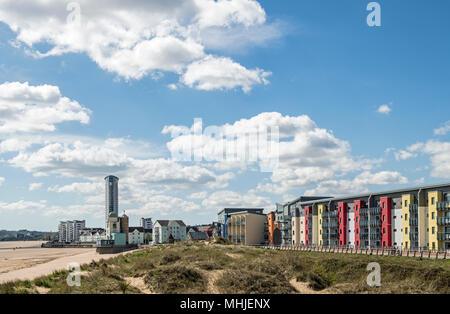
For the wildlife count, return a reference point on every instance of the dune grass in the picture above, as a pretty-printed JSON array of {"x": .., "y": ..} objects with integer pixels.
[{"x": 187, "y": 268}]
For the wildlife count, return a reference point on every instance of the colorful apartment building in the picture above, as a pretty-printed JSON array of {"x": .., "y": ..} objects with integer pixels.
[
  {"x": 411, "y": 218},
  {"x": 247, "y": 228}
]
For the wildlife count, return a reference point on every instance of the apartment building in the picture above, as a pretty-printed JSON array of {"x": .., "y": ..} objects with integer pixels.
[
  {"x": 70, "y": 231},
  {"x": 284, "y": 214},
  {"x": 247, "y": 228},
  {"x": 411, "y": 218},
  {"x": 224, "y": 215},
  {"x": 165, "y": 229},
  {"x": 136, "y": 235},
  {"x": 146, "y": 223}
]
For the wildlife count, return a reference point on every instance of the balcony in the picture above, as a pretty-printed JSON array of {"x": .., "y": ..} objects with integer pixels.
[
  {"x": 413, "y": 207},
  {"x": 444, "y": 206},
  {"x": 443, "y": 236},
  {"x": 363, "y": 211},
  {"x": 375, "y": 223},
  {"x": 414, "y": 236},
  {"x": 375, "y": 236},
  {"x": 414, "y": 222},
  {"x": 443, "y": 221},
  {"x": 363, "y": 223},
  {"x": 375, "y": 210}
]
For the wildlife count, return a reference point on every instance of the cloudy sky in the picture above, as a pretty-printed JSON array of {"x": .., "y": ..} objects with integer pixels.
[{"x": 93, "y": 88}]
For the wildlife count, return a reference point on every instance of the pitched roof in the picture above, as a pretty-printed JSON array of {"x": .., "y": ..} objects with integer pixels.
[
  {"x": 198, "y": 235},
  {"x": 140, "y": 229},
  {"x": 165, "y": 223}
]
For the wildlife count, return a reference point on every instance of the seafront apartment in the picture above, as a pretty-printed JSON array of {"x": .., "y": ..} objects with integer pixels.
[
  {"x": 247, "y": 228},
  {"x": 412, "y": 218}
]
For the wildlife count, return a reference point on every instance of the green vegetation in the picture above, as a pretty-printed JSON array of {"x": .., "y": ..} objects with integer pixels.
[{"x": 224, "y": 268}]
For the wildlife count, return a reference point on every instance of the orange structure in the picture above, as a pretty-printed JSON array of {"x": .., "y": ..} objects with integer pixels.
[{"x": 271, "y": 224}]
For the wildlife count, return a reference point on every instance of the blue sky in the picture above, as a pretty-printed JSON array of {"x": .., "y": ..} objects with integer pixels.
[{"x": 329, "y": 74}]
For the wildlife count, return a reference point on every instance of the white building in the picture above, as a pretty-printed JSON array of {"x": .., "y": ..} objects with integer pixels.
[
  {"x": 136, "y": 235},
  {"x": 146, "y": 223},
  {"x": 162, "y": 229},
  {"x": 69, "y": 231},
  {"x": 89, "y": 237}
]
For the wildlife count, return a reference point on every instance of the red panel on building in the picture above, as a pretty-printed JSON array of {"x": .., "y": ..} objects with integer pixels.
[
  {"x": 342, "y": 212},
  {"x": 386, "y": 221},
  {"x": 308, "y": 210},
  {"x": 357, "y": 207}
]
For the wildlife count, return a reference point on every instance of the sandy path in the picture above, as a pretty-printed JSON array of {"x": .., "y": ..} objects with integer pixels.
[
  {"x": 213, "y": 276},
  {"x": 140, "y": 284},
  {"x": 303, "y": 287},
  {"x": 49, "y": 267}
]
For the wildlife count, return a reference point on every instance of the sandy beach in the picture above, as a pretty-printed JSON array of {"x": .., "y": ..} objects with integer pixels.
[{"x": 27, "y": 260}]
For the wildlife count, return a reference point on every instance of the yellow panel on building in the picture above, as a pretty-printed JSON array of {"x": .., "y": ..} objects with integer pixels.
[
  {"x": 321, "y": 210},
  {"x": 433, "y": 199},
  {"x": 407, "y": 200}
]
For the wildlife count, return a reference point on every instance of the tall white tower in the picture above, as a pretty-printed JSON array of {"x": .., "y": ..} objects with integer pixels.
[{"x": 111, "y": 196}]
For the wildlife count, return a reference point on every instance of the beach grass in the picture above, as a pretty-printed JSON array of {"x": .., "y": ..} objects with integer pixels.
[{"x": 217, "y": 268}]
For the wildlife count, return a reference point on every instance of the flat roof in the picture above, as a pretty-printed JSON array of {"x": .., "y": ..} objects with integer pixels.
[
  {"x": 331, "y": 199},
  {"x": 247, "y": 213}
]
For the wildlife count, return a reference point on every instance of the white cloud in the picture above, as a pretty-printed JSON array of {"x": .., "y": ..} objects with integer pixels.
[
  {"x": 79, "y": 187},
  {"x": 307, "y": 153},
  {"x": 14, "y": 145},
  {"x": 221, "y": 199},
  {"x": 25, "y": 108},
  {"x": 22, "y": 207},
  {"x": 439, "y": 153},
  {"x": 2, "y": 180},
  {"x": 212, "y": 73},
  {"x": 165, "y": 205},
  {"x": 443, "y": 130},
  {"x": 358, "y": 184},
  {"x": 34, "y": 186},
  {"x": 140, "y": 37},
  {"x": 384, "y": 109},
  {"x": 403, "y": 155},
  {"x": 198, "y": 195}
]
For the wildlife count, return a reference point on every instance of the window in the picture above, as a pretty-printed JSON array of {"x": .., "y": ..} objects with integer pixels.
[
  {"x": 384, "y": 217},
  {"x": 432, "y": 230},
  {"x": 384, "y": 230},
  {"x": 432, "y": 201},
  {"x": 406, "y": 203},
  {"x": 432, "y": 215},
  {"x": 406, "y": 217}
]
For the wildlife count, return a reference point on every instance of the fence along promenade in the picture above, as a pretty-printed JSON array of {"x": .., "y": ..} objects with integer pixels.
[{"x": 423, "y": 254}]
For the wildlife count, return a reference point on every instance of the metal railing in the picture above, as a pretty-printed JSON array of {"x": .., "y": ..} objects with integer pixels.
[
  {"x": 443, "y": 221},
  {"x": 389, "y": 251},
  {"x": 414, "y": 222},
  {"x": 443, "y": 206},
  {"x": 443, "y": 236},
  {"x": 375, "y": 210}
]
